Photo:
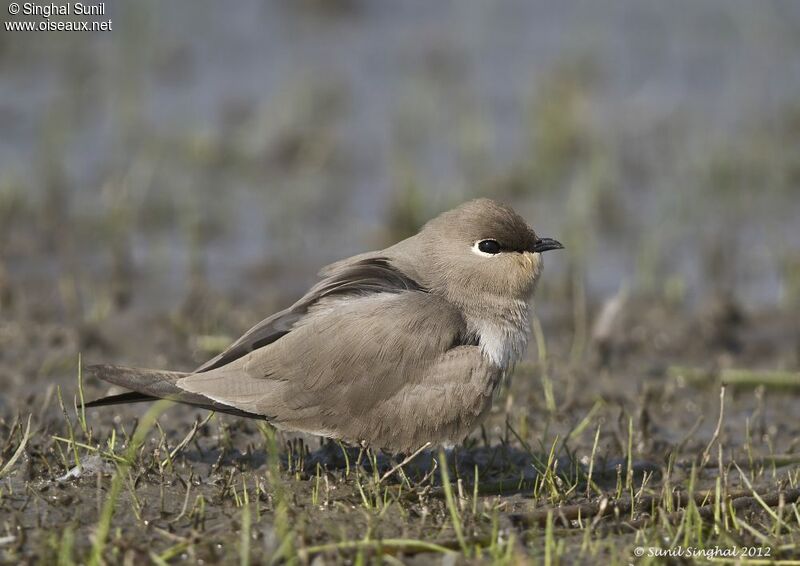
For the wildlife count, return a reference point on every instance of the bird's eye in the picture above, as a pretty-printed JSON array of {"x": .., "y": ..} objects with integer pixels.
[{"x": 489, "y": 247}]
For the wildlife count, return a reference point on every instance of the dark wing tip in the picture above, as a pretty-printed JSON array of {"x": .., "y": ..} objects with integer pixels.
[{"x": 129, "y": 397}]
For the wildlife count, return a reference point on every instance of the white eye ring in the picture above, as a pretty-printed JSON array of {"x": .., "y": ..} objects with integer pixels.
[{"x": 477, "y": 251}]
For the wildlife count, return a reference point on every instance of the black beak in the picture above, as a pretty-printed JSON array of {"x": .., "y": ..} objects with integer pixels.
[{"x": 546, "y": 244}]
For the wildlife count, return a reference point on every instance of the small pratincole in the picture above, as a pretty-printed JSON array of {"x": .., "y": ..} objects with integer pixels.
[{"x": 392, "y": 349}]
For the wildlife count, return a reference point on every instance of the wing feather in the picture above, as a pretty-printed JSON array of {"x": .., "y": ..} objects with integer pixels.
[{"x": 363, "y": 275}]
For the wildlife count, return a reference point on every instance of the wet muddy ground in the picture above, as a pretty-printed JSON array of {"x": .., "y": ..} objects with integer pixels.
[{"x": 629, "y": 417}]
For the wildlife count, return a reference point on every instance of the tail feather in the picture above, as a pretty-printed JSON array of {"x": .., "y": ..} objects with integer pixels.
[
  {"x": 151, "y": 385},
  {"x": 151, "y": 382}
]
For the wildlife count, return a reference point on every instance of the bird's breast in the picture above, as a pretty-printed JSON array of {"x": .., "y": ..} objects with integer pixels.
[{"x": 502, "y": 337}]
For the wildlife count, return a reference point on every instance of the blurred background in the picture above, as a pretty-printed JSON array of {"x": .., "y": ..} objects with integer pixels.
[
  {"x": 200, "y": 157},
  {"x": 167, "y": 184}
]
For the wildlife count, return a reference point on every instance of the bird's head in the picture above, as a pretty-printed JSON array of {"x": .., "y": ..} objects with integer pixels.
[{"x": 483, "y": 249}]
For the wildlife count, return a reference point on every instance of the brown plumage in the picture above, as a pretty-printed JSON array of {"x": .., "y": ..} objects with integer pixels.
[{"x": 390, "y": 349}]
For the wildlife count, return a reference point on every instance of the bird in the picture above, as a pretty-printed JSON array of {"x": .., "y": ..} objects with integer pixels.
[{"x": 392, "y": 349}]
